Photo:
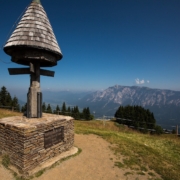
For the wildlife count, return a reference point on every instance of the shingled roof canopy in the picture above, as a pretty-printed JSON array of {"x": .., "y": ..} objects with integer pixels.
[{"x": 34, "y": 31}]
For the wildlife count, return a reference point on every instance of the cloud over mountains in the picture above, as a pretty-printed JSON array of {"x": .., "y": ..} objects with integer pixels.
[{"x": 138, "y": 81}]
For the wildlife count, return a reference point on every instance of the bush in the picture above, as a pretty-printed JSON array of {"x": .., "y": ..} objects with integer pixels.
[
  {"x": 158, "y": 129},
  {"x": 5, "y": 161}
]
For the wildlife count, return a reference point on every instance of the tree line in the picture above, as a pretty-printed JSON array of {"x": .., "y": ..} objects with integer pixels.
[
  {"x": 6, "y": 100},
  {"x": 138, "y": 118},
  {"x": 85, "y": 114}
]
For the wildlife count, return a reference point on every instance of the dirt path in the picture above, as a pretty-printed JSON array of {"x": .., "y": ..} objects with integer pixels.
[
  {"x": 95, "y": 162},
  {"x": 92, "y": 164},
  {"x": 5, "y": 174}
]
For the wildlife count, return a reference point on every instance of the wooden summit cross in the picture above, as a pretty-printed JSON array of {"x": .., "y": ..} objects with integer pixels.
[
  {"x": 33, "y": 44},
  {"x": 34, "y": 97}
]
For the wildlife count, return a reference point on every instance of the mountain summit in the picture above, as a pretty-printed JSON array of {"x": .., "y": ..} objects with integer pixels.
[{"x": 135, "y": 95}]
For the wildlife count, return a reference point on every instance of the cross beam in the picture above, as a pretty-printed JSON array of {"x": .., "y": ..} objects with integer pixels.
[
  {"x": 34, "y": 96},
  {"x": 20, "y": 71}
]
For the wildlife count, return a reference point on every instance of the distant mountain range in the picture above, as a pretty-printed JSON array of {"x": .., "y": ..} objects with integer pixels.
[{"x": 165, "y": 104}]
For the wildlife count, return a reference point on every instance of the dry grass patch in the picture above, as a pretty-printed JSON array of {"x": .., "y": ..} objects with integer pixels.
[{"x": 8, "y": 113}]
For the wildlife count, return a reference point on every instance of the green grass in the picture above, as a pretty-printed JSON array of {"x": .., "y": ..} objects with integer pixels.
[
  {"x": 39, "y": 173},
  {"x": 159, "y": 153},
  {"x": 5, "y": 161},
  {"x": 119, "y": 164}
]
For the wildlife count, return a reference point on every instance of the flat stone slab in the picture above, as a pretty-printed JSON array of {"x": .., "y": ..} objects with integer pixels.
[{"x": 24, "y": 122}]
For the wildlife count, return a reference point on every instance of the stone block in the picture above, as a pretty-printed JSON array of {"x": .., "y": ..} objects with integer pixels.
[{"x": 24, "y": 139}]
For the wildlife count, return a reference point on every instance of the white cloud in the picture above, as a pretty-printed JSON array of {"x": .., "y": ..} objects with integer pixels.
[
  {"x": 138, "y": 81},
  {"x": 148, "y": 81}
]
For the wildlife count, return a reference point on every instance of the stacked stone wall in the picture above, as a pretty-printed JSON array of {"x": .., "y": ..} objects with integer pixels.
[{"x": 25, "y": 145}]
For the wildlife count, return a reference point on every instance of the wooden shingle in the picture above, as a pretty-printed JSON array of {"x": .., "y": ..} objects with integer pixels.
[{"x": 34, "y": 30}]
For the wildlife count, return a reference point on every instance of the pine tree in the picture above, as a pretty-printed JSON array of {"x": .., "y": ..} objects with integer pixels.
[
  {"x": 24, "y": 108},
  {"x": 44, "y": 107},
  {"x": 69, "y": 111},
  {"x": 8, "y": 99},
  {"x": 49, "y": 110},
  {"x": 57, "y": 110},
  {"x": 63, "y": 109},
  {"x": 3, "y": 96},
  {"x": 15, "y": 103},
  {"x": 86, "y": 114},
  {"x": 76, "y": 113}
]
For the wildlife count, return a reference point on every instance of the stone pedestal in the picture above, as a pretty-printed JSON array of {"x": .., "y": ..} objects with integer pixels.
[{"x": 31, "y": 143}]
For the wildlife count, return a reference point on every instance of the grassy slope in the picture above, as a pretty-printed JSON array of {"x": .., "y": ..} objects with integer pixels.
[
  {"x": 140, "y": 152},
  {"x": 8, "y": 113}
]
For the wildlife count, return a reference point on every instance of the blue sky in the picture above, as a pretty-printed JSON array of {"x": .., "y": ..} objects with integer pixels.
[{"x": 104, "y": 43}]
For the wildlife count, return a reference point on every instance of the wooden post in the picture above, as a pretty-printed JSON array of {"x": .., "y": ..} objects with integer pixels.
[
  {"x": 177, "y": 130},
  {"x": 104, "y": 121}
]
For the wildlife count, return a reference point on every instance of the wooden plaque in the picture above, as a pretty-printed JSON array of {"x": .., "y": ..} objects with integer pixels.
[{"x": 53, "y": 137}]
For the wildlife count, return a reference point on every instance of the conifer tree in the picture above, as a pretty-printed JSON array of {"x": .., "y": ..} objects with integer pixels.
[
  {"x": 86, "y": 114},
  {"x": 49, "y": 110},
  {"x": 44, "y": 107},
  {"x": 15, "y": 103},
  {"x": 3, "y": 96},
  {"x": 63, "y": 109},
  {"x": 76, "y": 113},
  {"x": 24, "y": 108},
  {"x": 57, "y": 110},
  {"x": 69, "y": 111},
  {"x": 8, "y": 99}
]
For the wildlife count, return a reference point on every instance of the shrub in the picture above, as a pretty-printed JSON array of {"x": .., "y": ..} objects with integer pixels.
[{"x": 5, "y": 161}]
